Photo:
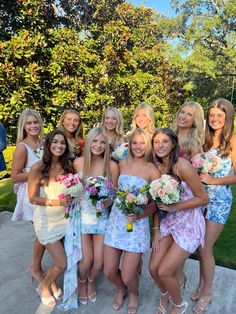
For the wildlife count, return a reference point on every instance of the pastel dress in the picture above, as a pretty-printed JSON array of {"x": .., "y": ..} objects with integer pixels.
[
  {"x": 137, "y": 241},
  {"x": 220, "y": 196},
  {"x": 49, "y": 221},
  {"x": 90, "y": 223},
  {"x": 187, "y": 227},
  {"x": 24, "y": 210}
]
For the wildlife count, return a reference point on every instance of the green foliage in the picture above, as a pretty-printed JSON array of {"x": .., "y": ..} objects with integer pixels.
[
  {"x": 8, "y": 154},
  {"x": 84, "y": 55},
  {"x": 7, "y": 196}
]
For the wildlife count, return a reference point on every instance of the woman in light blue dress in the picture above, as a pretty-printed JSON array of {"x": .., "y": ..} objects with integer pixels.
[
  {"x": 221, "y": 142},
  {"x": 95, "y": 162},
  {"x": 135, "y": 172}
]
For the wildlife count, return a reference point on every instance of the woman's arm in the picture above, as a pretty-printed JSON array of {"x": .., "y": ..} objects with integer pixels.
[
  {"x": 189, "y": 174},
  {"x": 231, "y": 179},
  {"x": 78, "y": 164},
  {"x": 114, "y": 173},
  {"x": 156, "y": 234},
  {"x": 18, "y": 164},
  {"x": 34, "y": 183}
]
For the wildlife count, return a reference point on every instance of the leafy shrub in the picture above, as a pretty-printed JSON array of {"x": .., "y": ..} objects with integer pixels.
[{"x": 7, "y": 196}]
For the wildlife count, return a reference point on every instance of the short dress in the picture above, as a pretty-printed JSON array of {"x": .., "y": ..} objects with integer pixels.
[
  {"x": 220, "y": 196},
  {"x": 137, "y": 241},
  {"x": 24, "y": 210},
  {"x": 90, "y": 223},
  {"x": 49, "y": 221},
  {"x": 187, "y": 226}
]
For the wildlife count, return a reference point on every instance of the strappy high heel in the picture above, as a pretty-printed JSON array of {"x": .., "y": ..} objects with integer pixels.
[
  {"x": 202, "y": 305},
  {"x": 83, "y": 300},
  {"x": 160, "y": 307},
  {"x": 183, "y": 307},
  {"x": 195, "y": 294},
  {"x": 58, "y": 295},
  {"x": 117, "y": 305},
  {"x": 93, "y": 296}
]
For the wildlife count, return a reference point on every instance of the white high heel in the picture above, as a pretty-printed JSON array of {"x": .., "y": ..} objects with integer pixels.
[{"x": 183, "y": 305}]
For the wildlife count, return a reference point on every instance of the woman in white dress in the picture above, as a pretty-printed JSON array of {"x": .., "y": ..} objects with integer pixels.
[
  {"x": 49, "y": 215},
  {"x": 28, "y": 151}
]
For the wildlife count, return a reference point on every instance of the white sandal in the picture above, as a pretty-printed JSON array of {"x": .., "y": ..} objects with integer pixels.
[{"x": 183, "y": 305}]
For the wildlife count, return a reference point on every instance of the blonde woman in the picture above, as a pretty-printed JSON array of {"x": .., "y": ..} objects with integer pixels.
[
  {"x": 144, "y": 118},
  {"x": 94, "y": 162},
  {"x": 112, "y": 122},
  {"x": 135, "y": 172},
  {"x": 189, "y": 127},
  {"x": 70, "y": 123},
  {"x": 27, "y": 152}
]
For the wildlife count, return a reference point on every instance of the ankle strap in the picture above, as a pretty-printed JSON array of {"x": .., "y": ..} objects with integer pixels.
[
  {"x": 164, "y": 294},
  {"x": 83, "y": 281}
]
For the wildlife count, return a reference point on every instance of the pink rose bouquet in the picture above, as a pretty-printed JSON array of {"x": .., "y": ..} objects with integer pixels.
[
  {"x": 132, "y": 201},
  {"x": 165, "y": 190},
  {"x": 72, "y": 186},
  {"x": 206, "y": 162}
]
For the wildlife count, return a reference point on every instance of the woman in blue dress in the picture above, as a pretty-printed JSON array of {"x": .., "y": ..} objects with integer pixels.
[
  {"x": 221, "y": 142},
  {"x": 94, "y": 162},
  {"x": 135, "y": 172}
]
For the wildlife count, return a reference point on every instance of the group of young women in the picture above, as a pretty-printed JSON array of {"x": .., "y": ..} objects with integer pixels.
[{"x": 195, "y": 222}]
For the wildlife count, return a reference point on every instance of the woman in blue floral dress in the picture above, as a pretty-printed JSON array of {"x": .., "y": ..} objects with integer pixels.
[
  {"x": 220, "y": 141},
  {"x": 94, "y": 162},
  {"x": 135, "y": 172}
]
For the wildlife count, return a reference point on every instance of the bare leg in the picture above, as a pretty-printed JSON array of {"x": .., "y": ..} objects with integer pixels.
[
  {"x": 35, "y": 267},
  {"x": 113, "y": 274},
  {"x": 213, "y": 231},
  {"x": 130, "y": 277}
]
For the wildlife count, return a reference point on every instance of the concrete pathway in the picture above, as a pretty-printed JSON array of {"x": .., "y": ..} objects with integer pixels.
[{"x": 18, "y": 295}]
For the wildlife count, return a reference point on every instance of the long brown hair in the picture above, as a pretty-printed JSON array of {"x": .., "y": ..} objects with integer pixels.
[{"x": 227, "y": 130}]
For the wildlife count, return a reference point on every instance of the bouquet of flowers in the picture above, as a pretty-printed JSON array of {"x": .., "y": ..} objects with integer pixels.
[
  {"x": 72, "y": 186},
  {"x": 206, "y": 162},
  {"x": 79, "y": 147},
  {"x": 121, "y": 152},
  {"x": 132, "y": 201},
  {"x": 99, "y": 188},
  {"x": 165, "y": 190},
  {"x": 39, "y": 152}
]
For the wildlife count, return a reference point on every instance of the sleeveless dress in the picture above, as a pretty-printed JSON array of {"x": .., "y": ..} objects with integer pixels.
[
  {"x": 90, "y": 224},
  {"x": 116, "y": 235},
  {"x": 187, "y": 227},
  {"x": 49, "y": 221},
  {"x": 24, "y": 209},
  {"x": 220, "y": 196}
]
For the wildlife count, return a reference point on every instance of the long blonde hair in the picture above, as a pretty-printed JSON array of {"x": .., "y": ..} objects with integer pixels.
[
  {"x": 119, "y": 138},
  {"x": 87, "y": 152},
  {"x": 21, "y": 133},
  {"x": 150, "y": 114},
  {"x": 78, "y": 133},
  {"x": 196, "y": 136},
  {"x": 227, "y": 130},
  {"x": 147, "y": 141}
]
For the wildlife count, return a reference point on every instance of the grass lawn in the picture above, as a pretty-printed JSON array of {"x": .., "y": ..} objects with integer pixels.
[{"x": 224, "y": 250}]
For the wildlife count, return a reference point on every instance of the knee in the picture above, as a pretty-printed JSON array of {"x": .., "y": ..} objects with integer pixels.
[
  {"x": 97, "y": 265},
  {"x": 109, "y": 272},
  {"x": 127, "y": 279},
  {"x": 153, "y": 268},
  {"x": 61, "y": 267},
  {"x": 163, "y": 272}
]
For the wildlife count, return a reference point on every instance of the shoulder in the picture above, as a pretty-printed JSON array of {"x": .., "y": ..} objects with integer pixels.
[
  {"x": 113, "y": 166},
  {"x": 184, "y": 169},
  {"x": 21, "y": 149},
  {"x": 233, "y": 141},
  {"x": 78, "y": 163},
  {"x": 153, "y": 170}
]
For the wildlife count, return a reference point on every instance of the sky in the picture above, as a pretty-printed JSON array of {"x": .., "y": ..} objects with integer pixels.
[{"x": 162, "y": 6}]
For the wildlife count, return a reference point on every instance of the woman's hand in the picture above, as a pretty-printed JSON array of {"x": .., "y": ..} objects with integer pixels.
[
  {"x": 164, "y": 207},
  {"x": 132, "y": 217},
  {"x": 206, "y": 178},
  {"x": 156, "y": 241},
  {"x": 66, "y": 201}
]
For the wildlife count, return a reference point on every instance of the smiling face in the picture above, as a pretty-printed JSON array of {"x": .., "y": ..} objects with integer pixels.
[
  {"x": 98, "y": 145},
  {"x": 142, "y": 121},
  {"x": 58, "y": 145},
  {"x": 32, "y": 126},
  {"x": 216, "y": 119},
  {"x": 186, "y": 117},
  {"x": 138, "y": 146},
  {"x": 162, "y": 145},
  {"x": 110, "y": 121},
  {"x": 71, "y": 122}
]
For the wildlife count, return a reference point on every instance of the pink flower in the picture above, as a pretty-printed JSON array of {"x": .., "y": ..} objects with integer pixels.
[
  {"x": 130, "y": 197},
  {"x": 161, "y": 192}
]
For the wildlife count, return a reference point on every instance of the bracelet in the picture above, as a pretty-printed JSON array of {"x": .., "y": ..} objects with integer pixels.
[
  {"x": 155, "y": 228},
  {"x": 49, "y": 202}
]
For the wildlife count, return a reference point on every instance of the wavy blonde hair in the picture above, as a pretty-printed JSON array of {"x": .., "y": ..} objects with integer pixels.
[
  {"x": 196, "y": 136},
  {"x": 119, "y": 138},
  {"x": 78, "y": 133},
  {"x": 147, "y": 141},
  {"x": 25, "y": 114},
  {"x": 228, "y": 128},
  {"x": 150, "y": 114},
  {"x": 87, "y": 152}
]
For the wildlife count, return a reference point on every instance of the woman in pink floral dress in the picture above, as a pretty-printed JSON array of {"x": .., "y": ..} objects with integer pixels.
[{"x": 182, "y": 230}]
